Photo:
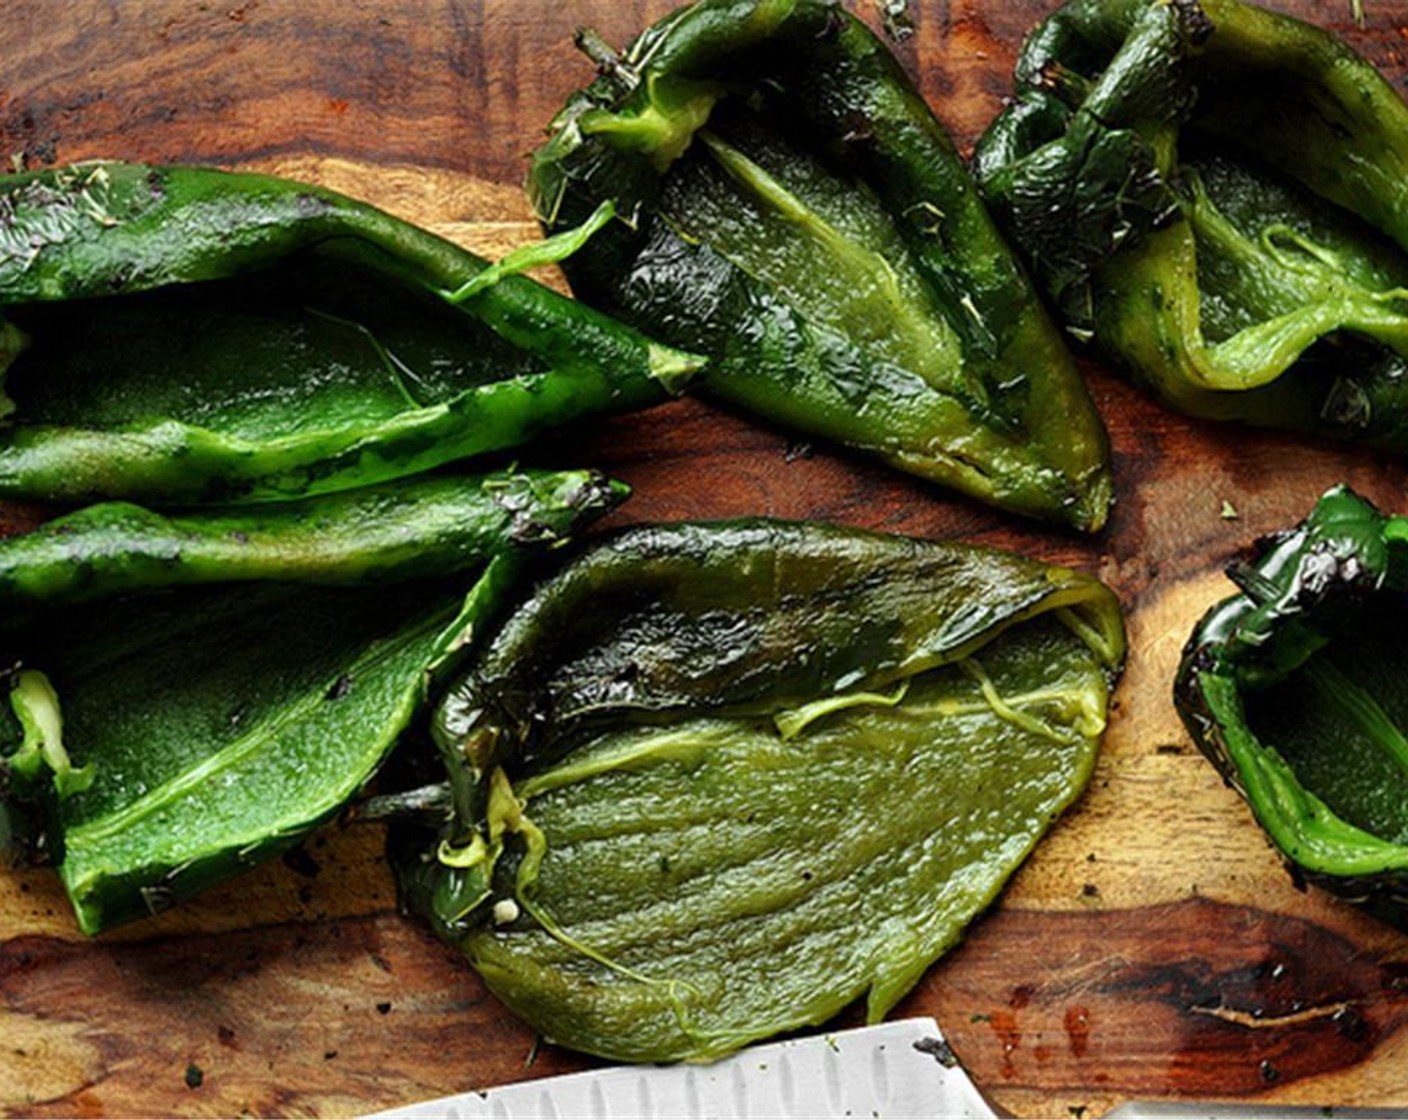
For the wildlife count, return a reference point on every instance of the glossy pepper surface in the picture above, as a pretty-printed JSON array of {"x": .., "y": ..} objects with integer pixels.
[
  {"x": 1295, "y": 689},
  {"x": 791, "y": 208},
  {"x": 176, "y": 335},
  {"x": 1215, "y": 196},
  {"x": 713, "y": 782},
  {"x": 191, "y": 695}
]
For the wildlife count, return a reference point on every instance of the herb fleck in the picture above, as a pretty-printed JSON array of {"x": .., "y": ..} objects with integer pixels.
[{"x": 941, "y": 1051}]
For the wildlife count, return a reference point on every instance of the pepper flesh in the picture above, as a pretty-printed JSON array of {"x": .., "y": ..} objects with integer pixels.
[
  {"x": 1295, "y": 690},
  {"x": 184, "y": 335},
  {"x": 418, "y": 528},
  {"x": 791, "y": 208},
  {"x": 192, "y": 731},
  {"x": 1214, "y": 195},
  {"x": 714, "y": 782}
]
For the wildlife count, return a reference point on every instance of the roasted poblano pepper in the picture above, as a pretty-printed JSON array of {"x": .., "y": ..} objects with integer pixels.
[
  {"x": 1217, "y": 196},
  {"x": 714, "y": 782},
  {"x": 166, "y": 739},
  {"x": 178, "y": 335},
  {"x": 1295, "y": 689},
  {"x": 791, "y": 208}
]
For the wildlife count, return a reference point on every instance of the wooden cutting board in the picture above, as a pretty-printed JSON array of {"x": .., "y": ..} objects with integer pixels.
[{"x": 1152, "y": 947}]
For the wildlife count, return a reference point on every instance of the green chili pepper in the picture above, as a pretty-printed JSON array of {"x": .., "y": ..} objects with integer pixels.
[
  {"x": 1294, "y": 689},
  {"x": 714, "y": 782},
  {"x": 414, "y": 528},
  {"x": 1215, "y": 194},
  {"x": 186, "y": 335},
  {"x": 192, "y": 731},
  {"x": 790, "y": 207}
]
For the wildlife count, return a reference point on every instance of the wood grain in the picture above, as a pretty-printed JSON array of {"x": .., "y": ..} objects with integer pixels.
[{"x": 1152, "y": 947}]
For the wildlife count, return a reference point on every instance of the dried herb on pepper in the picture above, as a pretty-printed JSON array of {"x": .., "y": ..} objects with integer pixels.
[
  {"x": 1213, "y": 194},
  {"x": 178, "y": 335},
  {"x": 193, "y": 694},
  {"x": 1294, "y": 689},
  {"x": 791, "y": 208},
  {"x": 714, "y": 782}
]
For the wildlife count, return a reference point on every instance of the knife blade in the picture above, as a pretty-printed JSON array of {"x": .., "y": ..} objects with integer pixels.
[
  {"x": 901, "y": 1069},
  {"x": 898, "y": 1069}
]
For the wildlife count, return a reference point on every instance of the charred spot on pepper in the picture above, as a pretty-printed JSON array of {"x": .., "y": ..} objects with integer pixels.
[
  {"x": 1195, "y": 23},
  {"x": 339, "y": 688},
  {"x": 1347, "y": 404}
]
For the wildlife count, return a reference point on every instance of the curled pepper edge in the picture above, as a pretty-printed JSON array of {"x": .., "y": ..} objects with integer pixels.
[{"x": 1207, "y": 694}]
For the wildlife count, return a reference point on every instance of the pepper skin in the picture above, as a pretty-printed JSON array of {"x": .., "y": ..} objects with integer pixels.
[
  {"x": 1294, "y": 689},
  {"x": 178, "y": 335},
  {"x": 791, "y": 208},
  {"x": 194, "y": 694},
  {"x": 712, "y": 782},
  {"x": 1214, "y": 196}
]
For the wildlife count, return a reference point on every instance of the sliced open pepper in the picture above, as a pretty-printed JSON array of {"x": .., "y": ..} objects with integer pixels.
[
  {"x": 177, "y": 335},
  {"x": 1296, "y": 690},
  {"x": 1215, "y": 196},
  {"x": 194, "y": 694},
  {"x": 791, "y": 208},
  {"x": 714, "y": 782}
]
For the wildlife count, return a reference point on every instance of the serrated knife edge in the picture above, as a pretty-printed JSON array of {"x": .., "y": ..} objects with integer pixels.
[
  {"x": 868, "y": 1072},
  {"x": 885, "y": 1071}
]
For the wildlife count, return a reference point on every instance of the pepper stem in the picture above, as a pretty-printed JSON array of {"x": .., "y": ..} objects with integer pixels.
[{"x": 551, "y": 250}]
